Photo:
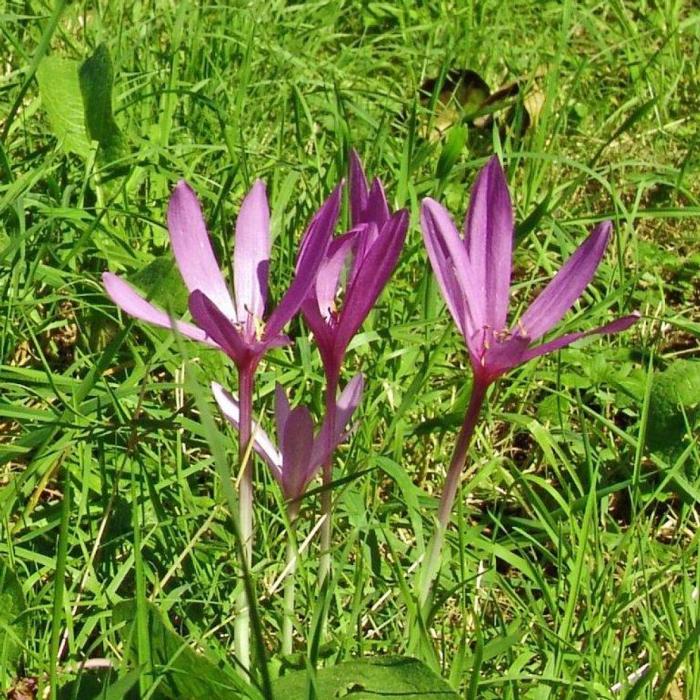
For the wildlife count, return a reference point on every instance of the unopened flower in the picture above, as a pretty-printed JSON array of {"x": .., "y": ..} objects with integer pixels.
[
  {"x": 355, "y": 269},
  {"x": 236, "y": 327},
  {"x": 300, "y": 452},
  {"x": 474, "y": 276}
]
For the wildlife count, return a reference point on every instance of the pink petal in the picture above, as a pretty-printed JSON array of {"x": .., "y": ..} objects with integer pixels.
[
  {"x": 566, "y": 286},
  {"x": 311, "y": 254},
  {"x": 251, "y": 254},
  {"x": 130, "y": 301},
  {"x": 452, "y": 273},
  {"x": 192, "y": 249},
  {"x": 218, "y": 327},
  {"x": 359, "y": 192},
  {"x": 347, "y": 402},
  {"x": 489, "y": 241},
  {"x": 616, "y": 326},
  {"x": 296, "y": 444},
  {"x": 229, "y": 406},
  {"x": 371, "y": 279}
]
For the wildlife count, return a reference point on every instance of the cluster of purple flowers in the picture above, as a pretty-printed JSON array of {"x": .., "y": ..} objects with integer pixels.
[
  {"x": 337, "y": 281},
  {"x": 473, "y": 272}
]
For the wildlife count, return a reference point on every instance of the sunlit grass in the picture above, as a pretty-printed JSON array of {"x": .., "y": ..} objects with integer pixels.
[{"x": 572, "y": 560}]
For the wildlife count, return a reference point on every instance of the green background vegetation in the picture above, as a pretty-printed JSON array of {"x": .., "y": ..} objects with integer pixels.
[{"x": 573, "y": 561}]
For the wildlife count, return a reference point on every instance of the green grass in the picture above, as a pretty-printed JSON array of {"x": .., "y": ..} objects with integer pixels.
[{"x": 573, "y": 556}]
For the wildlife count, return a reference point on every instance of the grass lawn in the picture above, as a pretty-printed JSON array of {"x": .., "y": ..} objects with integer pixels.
[{"x": 570, "y": 568}]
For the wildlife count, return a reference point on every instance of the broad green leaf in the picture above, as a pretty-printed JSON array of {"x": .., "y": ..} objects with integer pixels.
[
  {"x": 674, "y": 399},
  {"x": 162, "y": 282},
  {"x": 362, "y": 679},
  {"x": 181, "y": 671},
  {"x": 13, "y": 626},
  {"x": 59, "y": 88},
  {"x": 96, "y": 80}
]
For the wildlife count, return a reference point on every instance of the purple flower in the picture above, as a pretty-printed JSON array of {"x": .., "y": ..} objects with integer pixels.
[
  {"x": 236, "y": 328},
  {"x": 368, "y": 253},
  {"x": 474, "y": 277},
  {"x": 301, "y": 453}
]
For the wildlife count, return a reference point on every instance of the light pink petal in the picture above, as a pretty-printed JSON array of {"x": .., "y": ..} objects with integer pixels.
[
  {"x": 328, "y": 278},
  {"x": 348, "y": 401},
  {"x": 312, "y": 252},
  {"x": 377, "y": 267},
  {"x": 453, "y": 273},
  {"x": 130, "y": 301},
  {"x": 192, "y": 249},
  {"x": 566, "y": 286},
  {"x": 489, "y": 241},
  {"x": 218, "y": 327},
  {"x": 616, "y": 326},
  {"x": 229, "y": 406},
  {"x": 359, "y": 192},
  {"x": 296, "y": 444},
  {"x": 251, "y": 254}
]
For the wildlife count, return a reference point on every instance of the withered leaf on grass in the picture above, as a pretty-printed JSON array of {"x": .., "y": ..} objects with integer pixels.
[{"x": 463, "y": 96}]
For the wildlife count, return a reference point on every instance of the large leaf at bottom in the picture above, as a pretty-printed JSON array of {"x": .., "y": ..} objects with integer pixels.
[
  {"x": 181, "y": 671},
  {"x": 370, "y": 678},
  {"x": 13, "y": 627}
]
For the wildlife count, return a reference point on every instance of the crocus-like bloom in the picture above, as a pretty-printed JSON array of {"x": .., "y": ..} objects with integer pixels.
[
  {"x": 301, "y": 453},
  {"x": 236, "y": 328},
  {"x": 372, "y": 248},
  {"x": 474, "y": 276}
]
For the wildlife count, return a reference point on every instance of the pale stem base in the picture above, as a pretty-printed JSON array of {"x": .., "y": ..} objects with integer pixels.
[
  {"x": 241, "y": 626},
  {"x": 431, "y": 563},
  {"x": 324, "y": 569},
  {"x": 289, "y": 584}
]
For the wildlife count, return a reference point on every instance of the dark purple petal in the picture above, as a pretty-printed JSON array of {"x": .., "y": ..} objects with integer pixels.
[
  {"x": 279, "y": 341},
  {"x": 453, "y": 274},
  {"x": 566, "y": 286},
  {"x": 616, "y": 326},
  {"x": 365, "y": 237},
  {"x": 192, "y": 249},
  {"x": 313, "y": 250},
  {"x": 371, "y": 279},
  {"x": 218, "y": 327},
  {"x": 359, "y": 192},
  {"x": 377, "y": 211},
  {"x": 324, "y": 335},
  {"x": 489, "y": 242},
  {"x": 296, "y": 444},
  {"x": 251, "y": 254},
  {"x": 497, "y": 358},
  {"x": 130, "y": 301},
  {"x": 229, "y": 406}
]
